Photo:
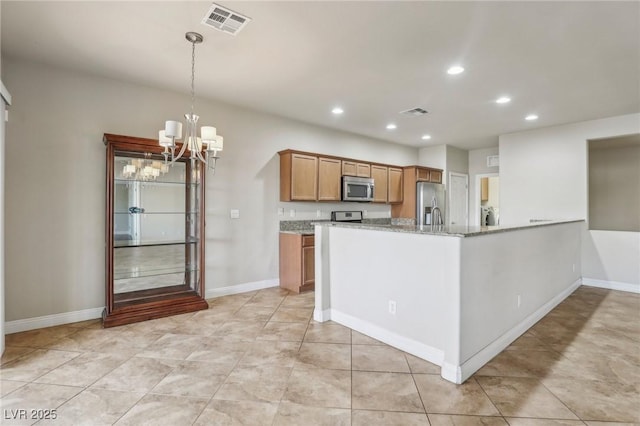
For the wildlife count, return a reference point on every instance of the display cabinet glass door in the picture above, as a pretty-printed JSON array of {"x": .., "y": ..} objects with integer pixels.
[{"x": 154, "y": 236}]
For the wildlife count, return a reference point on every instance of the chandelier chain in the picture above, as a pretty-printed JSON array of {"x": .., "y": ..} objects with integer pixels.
[{"x": 193, "y": 76}]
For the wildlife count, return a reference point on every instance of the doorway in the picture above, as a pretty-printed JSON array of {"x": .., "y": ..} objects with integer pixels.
[
  {"x": 488, "y": 196},
  {"x": 458, "y": 199}
]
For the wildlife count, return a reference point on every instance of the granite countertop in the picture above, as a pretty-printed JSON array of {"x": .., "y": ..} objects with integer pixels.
[
  {"x": 307, "y": 227},
  {"x": 449, "y": 231}
]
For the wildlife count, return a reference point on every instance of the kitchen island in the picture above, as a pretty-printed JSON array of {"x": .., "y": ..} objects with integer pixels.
[{"x": 454, "y": 296}]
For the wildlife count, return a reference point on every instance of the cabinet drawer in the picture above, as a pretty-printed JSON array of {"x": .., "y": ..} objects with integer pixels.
[{"x": 308, "y": 240}]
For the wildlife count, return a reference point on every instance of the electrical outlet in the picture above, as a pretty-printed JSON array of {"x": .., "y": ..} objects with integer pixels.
[
  {"x": 292, "y": 213},
  {"x": 280, "y": 211},
  {"x": 235, "y": 214},
  {"x": 519, "y": 301},
  {"x": 318, "y": 213},
  {"x": 392, "y": 307},
  {"x": 574, "y": 267},
  {"x": 364, "y": 213}
]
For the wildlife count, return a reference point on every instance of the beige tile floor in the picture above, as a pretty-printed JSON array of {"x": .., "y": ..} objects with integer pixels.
[{"x": 259, "y": 359}]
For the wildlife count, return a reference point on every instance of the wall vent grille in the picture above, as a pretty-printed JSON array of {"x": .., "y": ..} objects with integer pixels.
[{"x": 415, "y": 112}]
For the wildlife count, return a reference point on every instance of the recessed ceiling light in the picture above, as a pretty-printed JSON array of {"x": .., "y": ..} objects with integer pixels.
[
  {"x": 391, "y": 126},
  {"x": 337, "y": 110},
  {"x": 456, "y": 69},
  {"x": 531, "y": 117},
  {"x": 503, "y": 100},
  {"x": 426, "y": 137}
]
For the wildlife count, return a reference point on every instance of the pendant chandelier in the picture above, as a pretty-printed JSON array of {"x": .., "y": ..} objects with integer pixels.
[{"x": 211, "y": 142}]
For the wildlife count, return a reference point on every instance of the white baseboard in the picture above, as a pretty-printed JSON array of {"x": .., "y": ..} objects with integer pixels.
[
  {"x": 52, "y": 320},
  {"x": 474, "y": 363},
  {"x": 451, "y": 372},
  {"x": 87, "y": 314},
  {"x": 240, "y": 288},
  {"x": 322, "y": 316},
  {"x": 611, "y": 285},
  {"x": 413, "y": 347}
]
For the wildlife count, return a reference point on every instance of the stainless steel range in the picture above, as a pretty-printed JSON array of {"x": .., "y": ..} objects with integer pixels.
[{"x": 347, "y": 216}]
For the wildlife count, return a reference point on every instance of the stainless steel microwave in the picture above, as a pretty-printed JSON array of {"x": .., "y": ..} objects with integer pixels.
[{"x": 357, "y": 188}]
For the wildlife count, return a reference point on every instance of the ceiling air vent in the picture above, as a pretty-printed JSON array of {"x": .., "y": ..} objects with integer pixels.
[
  {"x": 415, "y": 112},
  {"x": 224, "y": 19}
]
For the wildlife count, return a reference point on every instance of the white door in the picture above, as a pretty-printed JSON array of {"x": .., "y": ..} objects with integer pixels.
[{"x": 458, "y": 199}]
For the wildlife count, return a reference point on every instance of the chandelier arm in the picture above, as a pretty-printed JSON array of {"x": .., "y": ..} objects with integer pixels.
[
  {"x": 182, "y": 150},
  {"x": 200, "y": 157}
]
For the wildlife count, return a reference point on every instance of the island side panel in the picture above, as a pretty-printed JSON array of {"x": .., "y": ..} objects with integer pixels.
[
  {"x": 537, "y": 267},
  {"x": 322, "y": 310},
  {"x": 420, "y": 273}
]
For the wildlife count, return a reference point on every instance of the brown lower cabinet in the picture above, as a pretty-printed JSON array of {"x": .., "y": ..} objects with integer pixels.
[{"x": 297, "y": 262}]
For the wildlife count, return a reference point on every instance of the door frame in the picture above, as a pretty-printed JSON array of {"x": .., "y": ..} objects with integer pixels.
[
  {"x": 466, "y": 198},
  {"x": 477, "y": 203}
]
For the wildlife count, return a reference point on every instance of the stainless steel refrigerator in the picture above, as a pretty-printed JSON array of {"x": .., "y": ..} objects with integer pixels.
[{"x": 428, "y": 197}]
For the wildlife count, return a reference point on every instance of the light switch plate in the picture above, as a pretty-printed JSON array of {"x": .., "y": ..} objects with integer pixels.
[
  {"x": 280, "y": 211},
  {"x": 235, "y": 214}
]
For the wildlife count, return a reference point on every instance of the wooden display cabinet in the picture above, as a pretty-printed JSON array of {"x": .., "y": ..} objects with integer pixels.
[{"x": 154, "y": 233}]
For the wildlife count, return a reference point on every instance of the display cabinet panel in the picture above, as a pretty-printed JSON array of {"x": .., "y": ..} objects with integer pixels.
[{"x": 154, "y": 235}]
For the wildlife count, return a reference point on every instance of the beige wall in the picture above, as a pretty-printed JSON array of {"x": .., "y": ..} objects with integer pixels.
[
  {"x": 56, "y": 184},
  {"x": 614, "y": 186},
  {"x": 457, "y": 160},
  {"x": 433, "y": 156},
  {"x": 555, "y": 157}
]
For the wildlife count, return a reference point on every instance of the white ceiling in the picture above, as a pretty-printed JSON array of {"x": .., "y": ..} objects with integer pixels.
[{"x": 564, "y": 61}]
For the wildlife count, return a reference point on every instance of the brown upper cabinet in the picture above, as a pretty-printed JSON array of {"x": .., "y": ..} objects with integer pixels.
[
  {"x": 428, "y": 175},
  {"x": 380, "y": 175},
  {"x": 411, "y": 175},
  {"x": 329, "y": 174},
  {"x": 435, "y": 176},
  {"x": 395, "y": 185},
  {"x": 298, "y": 177},
  {"x": 305, "y": 176},
  {"x": 352, "y": 168},
  {"x": 484, "y": 189}
]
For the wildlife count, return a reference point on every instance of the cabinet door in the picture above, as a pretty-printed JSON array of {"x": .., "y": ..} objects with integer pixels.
[
  {"x": 308, "y": 266},
  {"x": 349, "y": 168},
  {"x": 422, "y": 174},
  {"x": 380, "y": 180},
  {"x": 363, "y": 170},
  {"x": 304, "y": 177},
  {"x": 395, "y": 186},
  {"x": 484, "y": 189},
  {"x": 329, "y": 173},
  {"x": 435, "y": 176}
]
